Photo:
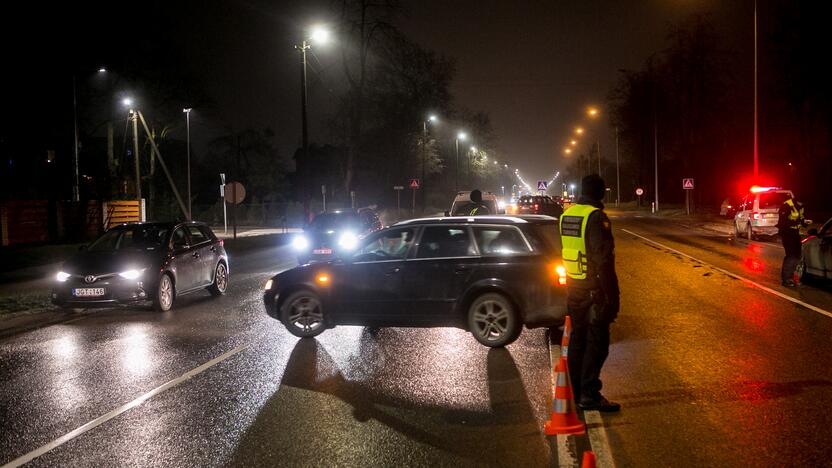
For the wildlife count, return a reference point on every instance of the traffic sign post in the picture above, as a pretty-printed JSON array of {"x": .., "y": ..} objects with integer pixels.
[
  {"x": 224, "y": 209},
  {"x": 639, "y": 193},
  {"x": 414, "y": 185},
  {"x": 398, "y": 189},
  {"x": 323, "y": 196},
  {"x": 687, "y": 185}
]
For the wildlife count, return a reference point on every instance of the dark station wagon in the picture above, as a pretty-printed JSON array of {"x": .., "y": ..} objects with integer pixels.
[{"x": 490, "y": 275}]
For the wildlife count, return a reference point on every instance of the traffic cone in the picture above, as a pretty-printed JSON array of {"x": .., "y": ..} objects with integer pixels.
[
  {"x": 564, "y": 342},
  {"x": 564, "y": 419},
  {"x": 589, "y": 460}
]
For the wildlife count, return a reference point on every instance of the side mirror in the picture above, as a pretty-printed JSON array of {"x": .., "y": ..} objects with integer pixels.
[
  {"x": 813, "y": 232},
  {"x": 447, "y": 213}
]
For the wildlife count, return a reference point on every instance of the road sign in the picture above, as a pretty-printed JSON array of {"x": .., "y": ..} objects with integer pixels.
[
  {"x": 398, "y": 187},
  {"x": 542, "y": 184},
  {"x": 235, "y": 193},
  {"x": 687, "y": 184},
  {"x": 639, "y": 191},
  {"x": 414, "y": 183}
]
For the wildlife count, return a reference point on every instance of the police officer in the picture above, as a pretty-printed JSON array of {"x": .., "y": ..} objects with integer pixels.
[
  {"x": 593, "y": 295},
  {"x": 789, "y": 220},
  {"x": 479, "y": 208}
]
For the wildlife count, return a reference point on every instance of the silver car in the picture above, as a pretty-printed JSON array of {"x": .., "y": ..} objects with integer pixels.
[
  {"x": 758, "y": 212},
  {"x": 817, "y": 253}
]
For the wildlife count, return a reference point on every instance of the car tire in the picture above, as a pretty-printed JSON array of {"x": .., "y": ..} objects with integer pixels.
[
  {"x": 165, "y": 294},
  {"x": 749, "y": 232},
  {"x": 303, "y": 314},
  {"x": 493, "y": 320},
  {"x": 220, "y": 284},
  {"x": 736, "y": 230}
]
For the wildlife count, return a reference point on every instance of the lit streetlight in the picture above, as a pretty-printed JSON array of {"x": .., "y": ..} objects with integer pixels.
[
  {"x": 431, "y": 119},
  {"x": 573, "y": 142},
  {"x": 76, "y": 191},
  {"x": 592, "y": 112},
  {"x": 579, "y": 130},
  {"x": 567, "y": 150}
]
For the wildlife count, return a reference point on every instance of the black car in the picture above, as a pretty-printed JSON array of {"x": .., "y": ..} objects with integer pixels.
[
  {"x": 539, "y": 204},
  {"x": 333, "y": 232},
  {"x": 134, "y": 263},
  {"x": 489, "y": 275}
]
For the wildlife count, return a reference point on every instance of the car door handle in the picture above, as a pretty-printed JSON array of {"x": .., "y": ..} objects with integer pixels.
[
  {"x": 393, "y": 271},
  {"x": 213, "y": 248},
  {"x": 196, "y": 254},
  {"x": 460, "y": 269}
]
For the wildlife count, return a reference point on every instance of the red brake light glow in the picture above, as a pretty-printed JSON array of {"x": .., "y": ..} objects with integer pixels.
[{"x": 758, "y": 189}]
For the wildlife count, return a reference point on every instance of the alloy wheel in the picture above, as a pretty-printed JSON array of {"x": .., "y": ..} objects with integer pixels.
[
  {"x": 491, "y": 320},
  {"x": 305, "y": 314},
  {"x": 165, "y": 293}
]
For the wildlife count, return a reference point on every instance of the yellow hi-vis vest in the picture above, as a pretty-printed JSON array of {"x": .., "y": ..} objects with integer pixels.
[
  {"x": 795, "y": 214},
  {"x": 573, "y": 237}
]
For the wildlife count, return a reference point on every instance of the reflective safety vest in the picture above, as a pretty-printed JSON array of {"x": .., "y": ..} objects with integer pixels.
[
  {"x": 796, "y": 214},
  {"x": 573, "y": 237}
]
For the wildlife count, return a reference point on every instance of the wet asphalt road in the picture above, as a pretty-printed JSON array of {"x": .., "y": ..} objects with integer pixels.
[{"x": 711, "y": 372}]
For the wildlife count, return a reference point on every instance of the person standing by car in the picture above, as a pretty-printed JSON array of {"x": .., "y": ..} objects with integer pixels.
[
  {"x": 593, "y": 294},
  {"x": 789, "y": 220},
  {"x": 478, "y": 207}
]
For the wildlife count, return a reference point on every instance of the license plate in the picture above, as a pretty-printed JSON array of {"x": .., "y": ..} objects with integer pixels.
[
  {"x": 88, "y": 292},
  {"x": 322, "y": 251}
]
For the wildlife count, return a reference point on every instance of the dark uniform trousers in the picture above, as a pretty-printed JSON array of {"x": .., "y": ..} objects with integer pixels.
[
  {"x": 590, "y": 341},
  {"x": 791, "y": 243}
]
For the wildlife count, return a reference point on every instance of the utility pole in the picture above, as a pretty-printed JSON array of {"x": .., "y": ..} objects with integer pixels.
[
  {"x": 598, "y": 146},
  {"x": 656, "y": 156},
  {"x": 756, "y": 133},
  {"x": 187, "y": 112},
  {"x": 305, "y": 134},
  {"x": 76, "y": 191},
  {"x": 456, "y": 171},
  {"x": 617, "y": 172},
  {"x": 134, "y": 116}
]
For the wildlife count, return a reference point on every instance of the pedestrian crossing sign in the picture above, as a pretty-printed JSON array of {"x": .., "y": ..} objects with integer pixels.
[
  {"x": 542, "y": 184},
  {"x": 687, "y": 184}
]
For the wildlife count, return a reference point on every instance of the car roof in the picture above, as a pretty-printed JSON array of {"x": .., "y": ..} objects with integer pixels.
[
  {"x": 466, "y": 196},
  {"x": 514, "y": 219},
  {"x": 161, "y": 224}
]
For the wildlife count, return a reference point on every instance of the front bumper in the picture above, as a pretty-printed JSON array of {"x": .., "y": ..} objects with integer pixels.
[{"x": 117, "y": 291}]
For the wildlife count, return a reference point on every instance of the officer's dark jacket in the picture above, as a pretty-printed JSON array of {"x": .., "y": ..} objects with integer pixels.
[{"x": 600, "y": 253}]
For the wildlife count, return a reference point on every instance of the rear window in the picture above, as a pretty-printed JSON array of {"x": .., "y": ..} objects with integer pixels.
[
  {"x": 445, "y": 241},
  {"x": 772, "y": 200},
  {"x": 503, "y": 240},
  {"x": 546, "y": 238},
  {"x": 327, "y": 221}
]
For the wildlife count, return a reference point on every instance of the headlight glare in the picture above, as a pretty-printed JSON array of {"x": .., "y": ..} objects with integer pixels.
[
  {"x": 268, "y": 285},
  {"x": 61, "y": 276},
  {"x": 130, "y": 274},
  {"x": 348, "y": 241},
  {"x": 300, "y": 243}
]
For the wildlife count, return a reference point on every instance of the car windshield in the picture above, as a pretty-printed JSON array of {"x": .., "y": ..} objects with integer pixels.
[
  {"x": 131, "y": 237},
  {"x": 334, "y": 221},
  {"x": 772, "y": 200}
]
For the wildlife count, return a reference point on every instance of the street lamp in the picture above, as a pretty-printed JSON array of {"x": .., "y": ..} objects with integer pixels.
[
  {"x": 573, "y": 142},
  {"x": 318, "y": 35},
  {"x": 567, "y": 150},
  {"x": 459, "y": 136},
  {"x": 187, "y": 112},
  {"x": 579, "y": 130},
  {"x": 431, "y": 119}
]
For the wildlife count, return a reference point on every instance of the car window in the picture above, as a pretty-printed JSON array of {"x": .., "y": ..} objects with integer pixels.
[
  {"x": 445, "y": 241},
  {"x": 179, "y": 238},
  {"x": 546, "y": 238},
  {"x": 131, "y": 237},
  {"x": 772, "y": 200},
  {"x": 197, "y": 236},
  {"x": 392, "y": 244},
  {"x": 206, "y": 231},
  {"x": 503, "y": 240}
]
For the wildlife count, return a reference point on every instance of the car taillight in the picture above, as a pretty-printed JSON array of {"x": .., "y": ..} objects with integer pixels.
[
  {"x": 536, "y": 206},
  {"x": 559, "y": 274},
  {"x": 222, "y": 242},
  {"x": 756, "y": 215}
]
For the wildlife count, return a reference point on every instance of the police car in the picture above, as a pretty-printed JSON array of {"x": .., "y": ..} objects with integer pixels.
[{"x": 757, "y": 212}]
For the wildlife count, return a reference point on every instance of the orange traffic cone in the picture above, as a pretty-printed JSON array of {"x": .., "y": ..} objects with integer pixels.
[
  {"x": 589, "y": 460},
  {"x": 564, "y": 342},
  {"x": 564, "y": 419}
]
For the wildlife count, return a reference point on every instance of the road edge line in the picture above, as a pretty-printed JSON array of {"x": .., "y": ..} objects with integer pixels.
[
  {"x": 598, "y": 439},
  {"x": 23, "y": 459},
  {"x": 736, "y": 276}
]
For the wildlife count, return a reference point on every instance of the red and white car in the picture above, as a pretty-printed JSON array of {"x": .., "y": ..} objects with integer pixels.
[{"x": 757, "y": 212}]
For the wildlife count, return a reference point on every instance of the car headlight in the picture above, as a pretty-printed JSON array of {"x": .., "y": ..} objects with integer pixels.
[
  {"x": 348, "y": 241},
  {"x": 61, "y": 276},
  {"x": 300, "y": 243},
  {"x": 268, "y": 285},
  {"x": 131, "y": 274}
]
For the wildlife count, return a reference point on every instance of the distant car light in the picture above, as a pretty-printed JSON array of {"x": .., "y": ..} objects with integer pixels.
[
  {"x": 62, "y": 277},
  {"x": 268, "y": 285},
  {"x": 131, "y": 274},
  {"x": 348, "y": 241},
  {"x": 501, "y": 205},
  {"x": 300, "y": 243}
]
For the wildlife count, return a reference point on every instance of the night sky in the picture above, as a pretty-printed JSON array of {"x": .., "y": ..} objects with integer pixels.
[{"x": 533, "y": 66}]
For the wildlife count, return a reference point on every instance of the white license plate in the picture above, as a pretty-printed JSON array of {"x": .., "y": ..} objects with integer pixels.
[
  {"x": 322, "y": 251},
  {"x": 88, "y": 292}
]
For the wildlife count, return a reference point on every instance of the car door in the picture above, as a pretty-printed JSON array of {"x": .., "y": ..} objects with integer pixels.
[
  {"x": 437, "y": 273},
  {"x": 825, "y": 249},
  {"x": 368, "y": 285},
  {"x": 204, "y": 257},
  {"x": 183, "y": 261}
]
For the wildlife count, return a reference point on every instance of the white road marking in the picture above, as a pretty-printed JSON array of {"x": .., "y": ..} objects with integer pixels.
[
  {"x": 598, "y": 439},
  {"x": 597, "y": 433},
  {"x": 121, "y": 409},
  {"x": 735, "y": 276}
]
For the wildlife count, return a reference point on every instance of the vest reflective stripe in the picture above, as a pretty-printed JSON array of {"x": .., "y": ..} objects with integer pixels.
[
  {"x": 573, "y": 237},
  {"x": 795, "y": 214}
]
